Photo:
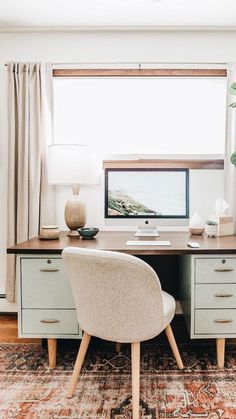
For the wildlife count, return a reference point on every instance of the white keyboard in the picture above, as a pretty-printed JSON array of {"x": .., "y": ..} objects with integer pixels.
[{"x": 147, "y": 243}]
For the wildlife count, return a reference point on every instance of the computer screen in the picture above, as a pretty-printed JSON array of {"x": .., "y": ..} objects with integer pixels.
[{"x": 146, "y": 193}]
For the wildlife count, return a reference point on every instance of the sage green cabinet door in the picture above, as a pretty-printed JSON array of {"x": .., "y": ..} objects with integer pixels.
[
  {"x": 219, "y": 321},
  {"x": 215, "y": 296},
  {"x": 44, "y": 284},
  {"x": 216, "y": 270},
  {"x": 50, "y": 322}
]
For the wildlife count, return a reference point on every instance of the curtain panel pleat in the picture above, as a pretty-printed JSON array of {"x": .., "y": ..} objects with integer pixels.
[{"x": 30, "y": 198}]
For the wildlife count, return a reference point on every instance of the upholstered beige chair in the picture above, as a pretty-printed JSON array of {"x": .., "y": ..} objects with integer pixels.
[{"x": 118, "y": 298}]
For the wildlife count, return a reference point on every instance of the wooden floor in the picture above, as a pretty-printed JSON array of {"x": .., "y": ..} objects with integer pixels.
[{"x": 9, "y": 331}]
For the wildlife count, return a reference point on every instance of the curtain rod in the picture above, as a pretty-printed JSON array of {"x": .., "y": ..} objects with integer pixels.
[
  {"x": 144, "y": 63},
  {"x": 140, "y": 63}
]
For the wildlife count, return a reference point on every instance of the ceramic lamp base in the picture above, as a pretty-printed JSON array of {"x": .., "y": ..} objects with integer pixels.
[
  {"x": 73, "y": 234},
  {"x": 75, "y": 216}
]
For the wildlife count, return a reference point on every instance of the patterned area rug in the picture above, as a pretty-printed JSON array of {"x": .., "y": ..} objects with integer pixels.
[{"x": 29, "y": 389}]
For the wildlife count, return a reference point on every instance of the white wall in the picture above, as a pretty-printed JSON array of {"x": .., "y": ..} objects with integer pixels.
[{"x": 102, "y": 47}]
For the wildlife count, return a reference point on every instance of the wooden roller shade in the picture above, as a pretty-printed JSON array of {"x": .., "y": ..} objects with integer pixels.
[
  {"x": 139, "y": 72},
  {"x": 217, "y": 164},
  {"x": 188, "y": 164}
]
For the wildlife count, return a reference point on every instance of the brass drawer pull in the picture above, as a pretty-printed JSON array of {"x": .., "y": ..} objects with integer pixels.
[
  {"x": 49, "y": 270},
  {"x": 223, "y": 321},
  {"x": 49, "y": 321},
  {"x": 223, "y": 270},
  {"x": 223, "y": 295}
]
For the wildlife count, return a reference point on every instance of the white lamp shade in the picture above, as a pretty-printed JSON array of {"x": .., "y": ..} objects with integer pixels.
[{"x": 73, "y": 164}]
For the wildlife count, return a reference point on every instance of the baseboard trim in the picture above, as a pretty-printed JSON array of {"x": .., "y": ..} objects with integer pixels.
[{"x": 6, "y": 307}]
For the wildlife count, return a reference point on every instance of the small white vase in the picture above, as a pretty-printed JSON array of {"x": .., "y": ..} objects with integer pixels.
[{"x": 211, "y": 230}]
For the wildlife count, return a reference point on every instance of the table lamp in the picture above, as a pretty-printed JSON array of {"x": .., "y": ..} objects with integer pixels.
[{"x": 73, "y": 164}]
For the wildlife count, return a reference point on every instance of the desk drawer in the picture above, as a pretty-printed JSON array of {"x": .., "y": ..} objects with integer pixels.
[
  {"x": 215, "y": 296},
  {"x": 209, "y": 322},
  {"x": 216, "y": 270},
  {"x": 50, "y": 322},
  {"x": 44, "y": 284}
]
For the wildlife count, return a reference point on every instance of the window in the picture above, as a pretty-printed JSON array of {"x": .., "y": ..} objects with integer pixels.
[{"x": 147, "y": 115}]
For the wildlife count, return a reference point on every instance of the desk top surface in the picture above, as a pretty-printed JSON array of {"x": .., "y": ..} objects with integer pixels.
[{"x": 116, "y": 241}]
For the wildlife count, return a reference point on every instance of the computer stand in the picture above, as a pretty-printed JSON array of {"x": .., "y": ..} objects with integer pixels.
[{"x": 147, "y": 231}]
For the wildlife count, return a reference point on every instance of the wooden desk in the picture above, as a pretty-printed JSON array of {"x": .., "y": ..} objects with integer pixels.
[
  {"x": 116, "y": 240},
  {"x": 207, "y": 283}
]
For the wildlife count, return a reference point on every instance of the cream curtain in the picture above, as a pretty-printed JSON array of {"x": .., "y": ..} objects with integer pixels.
[
  {"x": 230, "y": 143},
  {"x": 30, "y": 199}
]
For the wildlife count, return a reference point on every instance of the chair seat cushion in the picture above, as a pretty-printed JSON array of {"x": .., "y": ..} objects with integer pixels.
[{"x": 168, "y": 308}]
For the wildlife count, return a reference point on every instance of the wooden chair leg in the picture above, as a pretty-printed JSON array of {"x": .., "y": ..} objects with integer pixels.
[
  {"x": 78, "y": 364},
  {"x": 118, "y": 347},
  {"x": 220, "y": 349},
  {"x": 135, "y": 360},
  {"x": 174, "y": 347},
  {"x": 52, "y": 352}
]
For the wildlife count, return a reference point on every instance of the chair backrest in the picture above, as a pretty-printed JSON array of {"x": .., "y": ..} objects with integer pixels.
[{"x": 118, "y": 297}]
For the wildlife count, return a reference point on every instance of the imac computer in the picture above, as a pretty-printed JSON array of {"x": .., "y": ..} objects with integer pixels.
[{"x": 146, "y": 194}]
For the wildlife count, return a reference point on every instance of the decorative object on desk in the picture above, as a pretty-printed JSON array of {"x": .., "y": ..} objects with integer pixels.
[
  {"x": 225, "y": 222},
  {"x": 196, "y": 224},
  {"x": 221, "y": 206},
  {"x": 73, "y": 164},
  {"x": 88, "y": 232},
  {"x": 49, "y": 232},
  {"x": 211, "y": 228},
  {"x": 225, "y": 225}
]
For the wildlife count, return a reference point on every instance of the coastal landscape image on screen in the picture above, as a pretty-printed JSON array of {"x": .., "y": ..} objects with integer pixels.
[{"x": 146, "y": 193}]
